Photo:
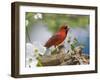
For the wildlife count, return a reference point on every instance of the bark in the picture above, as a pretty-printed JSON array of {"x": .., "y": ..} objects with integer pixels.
[{"x": 62, "y": 58}]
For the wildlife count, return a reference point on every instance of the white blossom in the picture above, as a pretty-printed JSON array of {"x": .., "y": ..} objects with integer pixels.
[
  {"x": 38, "y": 16},
  {"x": 30, "y": 58},
  {"x": 40, "y": 48},
  {"x": 29, "y": 49},
  {"x": 31, "y": 61},
  {"x": 32, "y": 52}
]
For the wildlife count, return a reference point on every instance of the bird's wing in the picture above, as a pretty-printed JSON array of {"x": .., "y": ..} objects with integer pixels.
[
  {"x": 57, "y": 36},
  {"x": 53, "y": 39}
]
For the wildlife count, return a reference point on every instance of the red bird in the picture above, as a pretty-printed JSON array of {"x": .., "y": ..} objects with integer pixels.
[{"x": 58, "y": 37}]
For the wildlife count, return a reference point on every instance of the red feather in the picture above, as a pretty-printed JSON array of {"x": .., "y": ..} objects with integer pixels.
[{"x": 58, "y": 37}]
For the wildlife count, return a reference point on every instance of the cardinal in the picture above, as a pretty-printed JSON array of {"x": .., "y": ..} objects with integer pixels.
[{"x": 58, "y": 37}]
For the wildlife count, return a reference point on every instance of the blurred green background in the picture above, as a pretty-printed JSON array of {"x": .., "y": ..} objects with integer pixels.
[{"x": 53, "y": 21}]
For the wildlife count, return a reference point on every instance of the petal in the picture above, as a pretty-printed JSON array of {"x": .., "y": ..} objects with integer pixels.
[{"x": 29, "y": 49}]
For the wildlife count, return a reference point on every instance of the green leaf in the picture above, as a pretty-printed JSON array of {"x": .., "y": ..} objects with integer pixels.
[
  {"x": 72, "y": 46},
  {"x": 39, "y": 64}
]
